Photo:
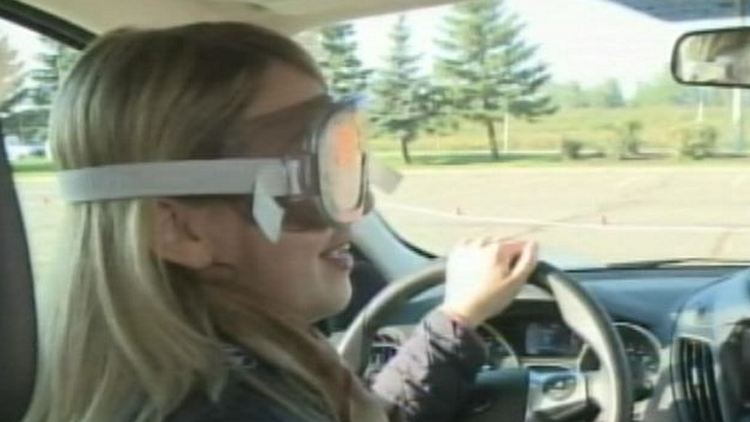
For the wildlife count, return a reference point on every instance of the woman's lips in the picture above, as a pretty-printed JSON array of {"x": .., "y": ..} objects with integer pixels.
[{"x": 339, "y": 256}]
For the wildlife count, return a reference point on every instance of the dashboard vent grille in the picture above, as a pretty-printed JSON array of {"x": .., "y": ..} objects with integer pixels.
[
  {"x": 383, "y": 349},
  {"x": 698, "y": 380}
]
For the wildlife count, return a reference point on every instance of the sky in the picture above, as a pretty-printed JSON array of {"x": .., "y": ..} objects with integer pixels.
[
  {"x": 588, "y": 41},
  {"x": 26, "y": 42}
]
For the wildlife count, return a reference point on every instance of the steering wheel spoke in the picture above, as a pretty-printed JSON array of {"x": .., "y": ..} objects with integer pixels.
[
  {"x": 557, "y": 395},
  {"x": 521, "y": 394},
  {"x": 598, "y": 384}
]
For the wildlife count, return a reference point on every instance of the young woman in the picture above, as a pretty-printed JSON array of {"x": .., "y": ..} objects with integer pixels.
[{"x": 183, "y": 304}]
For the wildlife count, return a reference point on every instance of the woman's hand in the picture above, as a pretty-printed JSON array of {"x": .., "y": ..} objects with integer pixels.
[{"x": 484, "y": 275}]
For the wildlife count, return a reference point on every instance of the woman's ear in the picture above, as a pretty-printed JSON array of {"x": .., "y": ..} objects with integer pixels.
[{"x": 176, "y": 236}]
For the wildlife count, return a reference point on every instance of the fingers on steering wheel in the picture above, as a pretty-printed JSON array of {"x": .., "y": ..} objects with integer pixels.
[
  {"x": 526, "y": 261},
  {"x": 508, "y": 253},
  {"x": 519, "y": 258}
]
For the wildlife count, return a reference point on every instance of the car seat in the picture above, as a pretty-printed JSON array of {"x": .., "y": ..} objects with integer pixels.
[{"x": 18, "y": 332}]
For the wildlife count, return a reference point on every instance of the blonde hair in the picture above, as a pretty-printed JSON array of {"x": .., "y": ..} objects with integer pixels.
[{"x": 124, "y": 335}]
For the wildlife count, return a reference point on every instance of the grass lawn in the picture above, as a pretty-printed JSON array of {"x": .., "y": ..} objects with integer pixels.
[
  {"x": 592, "y": 126},
  {"x": 33, "y": 166},
  {"x": 482, "y": 159}
]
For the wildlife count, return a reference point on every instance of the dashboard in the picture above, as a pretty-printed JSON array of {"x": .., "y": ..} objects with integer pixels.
[
  {"x": 532, "y": 334},
  {"x": 666, "y": 318}
]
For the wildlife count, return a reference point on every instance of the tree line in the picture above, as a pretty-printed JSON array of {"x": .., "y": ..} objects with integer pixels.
[
  {"x": 661, "y": 89},
  {"x": 485, "y": 74},
  {"x": 26, "y": 95}
]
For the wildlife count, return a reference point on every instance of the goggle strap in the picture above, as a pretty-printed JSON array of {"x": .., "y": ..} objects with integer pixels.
[
  {"x": 179, "y": 178},
  {"x": 267, "y": 213}
]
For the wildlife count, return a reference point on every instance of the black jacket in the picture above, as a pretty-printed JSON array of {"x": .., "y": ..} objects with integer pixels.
[{"x": 427, "y": 380}]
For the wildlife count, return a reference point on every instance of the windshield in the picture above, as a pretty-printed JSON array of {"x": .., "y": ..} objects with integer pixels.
[
  {"x": 559, "y": 123},
  {"x": 554, "y": 120}
]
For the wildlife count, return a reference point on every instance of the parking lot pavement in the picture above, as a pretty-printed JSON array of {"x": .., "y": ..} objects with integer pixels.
[
  {"x": 600, "y": 214},
  {"x": 595, "y": 214},
  {"x": 43, "y": 215}
]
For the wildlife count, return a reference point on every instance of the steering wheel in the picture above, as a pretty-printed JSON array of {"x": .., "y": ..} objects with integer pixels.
[{"x": 521, "y": 394}]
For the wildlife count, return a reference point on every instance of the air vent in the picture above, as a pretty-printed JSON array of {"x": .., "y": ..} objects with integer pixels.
[
  {"x": 384, "y": 348},
  {"x": 698, "y": 380}
]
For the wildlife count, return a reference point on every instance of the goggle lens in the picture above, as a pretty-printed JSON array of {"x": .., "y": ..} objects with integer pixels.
[{"x": 341, "y": 156}]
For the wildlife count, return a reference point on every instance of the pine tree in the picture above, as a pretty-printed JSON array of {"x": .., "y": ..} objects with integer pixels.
[
  {"x": 400, "y": 107},
  {"x": 30, "y": 108},
  {"x": 55, "y": 61},
  {"x": 606, "y": 95},
  {"x": 10, "y": 71},
  {"x": 613, "y": 94},
  {"x": 339, "y": 62},
  {"x": 490, "y": 70}
]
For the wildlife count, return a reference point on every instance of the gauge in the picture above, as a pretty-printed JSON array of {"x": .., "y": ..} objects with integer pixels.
[
  {"x": 499, "y": 353},
  {"x": 551, "y": 339},
  {"x": 385, "y": 345},
  {"x": 643, "y": 352}
]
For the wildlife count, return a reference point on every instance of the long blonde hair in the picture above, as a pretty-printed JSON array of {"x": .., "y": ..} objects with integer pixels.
[{"x": 124, "y": 335}]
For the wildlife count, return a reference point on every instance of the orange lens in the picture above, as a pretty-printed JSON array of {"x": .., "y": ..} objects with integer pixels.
[
  {"x": 346, "y": 141},
  {"x": 341, "y": 160}
]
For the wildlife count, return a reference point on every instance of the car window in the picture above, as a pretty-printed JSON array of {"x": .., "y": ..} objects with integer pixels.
[
  {"x": 557, "y": 123},
  {"x": 31, "y": 69}
]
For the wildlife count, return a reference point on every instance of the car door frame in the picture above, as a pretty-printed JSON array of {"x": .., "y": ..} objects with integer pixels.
[{"x": 18, "y": 321}]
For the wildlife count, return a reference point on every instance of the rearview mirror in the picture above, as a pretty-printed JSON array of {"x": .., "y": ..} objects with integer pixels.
[{"x": 719, "y": 57}]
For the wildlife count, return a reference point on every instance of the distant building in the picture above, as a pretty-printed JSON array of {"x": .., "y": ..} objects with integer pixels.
[{"x": 18, "y": 151}]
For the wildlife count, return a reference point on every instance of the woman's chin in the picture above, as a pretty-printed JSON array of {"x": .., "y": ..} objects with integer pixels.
[{"x": 336, "y": 298}]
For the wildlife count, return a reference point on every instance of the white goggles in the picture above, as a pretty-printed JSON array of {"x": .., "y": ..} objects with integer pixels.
[{"x": 334, "y": 172}]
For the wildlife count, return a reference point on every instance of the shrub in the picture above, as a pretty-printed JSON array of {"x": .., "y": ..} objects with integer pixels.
[
  {"x": 627, "y": 141},
  {"x": 571, "y": 149},
  {"x": 698, "y": 141}
]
